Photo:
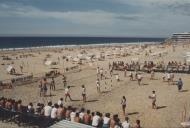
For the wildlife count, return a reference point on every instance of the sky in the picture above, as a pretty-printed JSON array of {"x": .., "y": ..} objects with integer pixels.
[{"x": 127, "y": 18}]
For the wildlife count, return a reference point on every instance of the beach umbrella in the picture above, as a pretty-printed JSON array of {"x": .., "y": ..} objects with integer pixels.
[
  {"x": 76, "y": 59},
  {"x": 48, "y": 63}
]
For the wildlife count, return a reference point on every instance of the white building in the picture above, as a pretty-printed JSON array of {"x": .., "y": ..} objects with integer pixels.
[{"x": 181, "y": 37}]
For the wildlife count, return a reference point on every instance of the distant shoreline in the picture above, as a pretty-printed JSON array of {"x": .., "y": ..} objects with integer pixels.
[{"x": 78, "y": 46}]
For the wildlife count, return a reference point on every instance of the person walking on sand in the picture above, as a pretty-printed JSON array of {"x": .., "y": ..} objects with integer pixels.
[
  {"x": 67, "y": 93},
  {"x": 168, "y": 78},
  {"x": 179, "y": 84},
  {"x": 52, "y": 84},
  {"x": 139, "y": 79},
  {"x": 64, "y": 81},
  {"x": 98, "y": 85},
  {"x": 83, "y": 93},
  {"x": 153, "y": 97},
  {"x": 125, "y": 73},
  {"x": 131, "y": 76},
  {"x": 117, "y": 77},
  {"x": 152, "y": 75},
  {"x": 123, "y": 103}
]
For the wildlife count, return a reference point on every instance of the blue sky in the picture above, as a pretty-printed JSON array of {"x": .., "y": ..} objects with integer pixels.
[{"x": 145, "y": 18}]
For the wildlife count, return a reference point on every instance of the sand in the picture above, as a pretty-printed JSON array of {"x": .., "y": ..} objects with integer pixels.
[{"x": 170, "y": 102}]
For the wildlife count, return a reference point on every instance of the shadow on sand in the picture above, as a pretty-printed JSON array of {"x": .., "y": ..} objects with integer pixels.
[
  {"x": 132, "y": 113},
  {"x": 160, "y": 107}
]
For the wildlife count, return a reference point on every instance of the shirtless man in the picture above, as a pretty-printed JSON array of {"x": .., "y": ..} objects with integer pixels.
[
  {"x": 83, "y": 93},
  {"x": 153, "y": 97}
]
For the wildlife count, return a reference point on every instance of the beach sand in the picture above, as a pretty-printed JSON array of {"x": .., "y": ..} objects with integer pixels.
[{"x": 171, "y": 103}]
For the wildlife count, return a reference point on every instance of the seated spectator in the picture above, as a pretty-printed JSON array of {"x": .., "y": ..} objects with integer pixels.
[
  {"x": 126, "y": 124},
  {"x": 60, "y": 101},
  {"x": 73, "y": 115},
  {"x": 54, "y": 112},
  {"x": 106, "y": 121},
  {"x": 81, "y": 115},
  {"x": 68, "y": 112},
  {"x": 30, "y": 108},
  {"x": 87, "y": 118},
  {"x": 60, "y": 112},
  {"x": 137, "y": 125},
  {"x": 96, "y": 119},
  {"x": 48, "y": 109},
  {"x": 77, "y": 118}
]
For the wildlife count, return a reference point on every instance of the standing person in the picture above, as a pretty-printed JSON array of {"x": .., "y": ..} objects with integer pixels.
[
  {"x": 98, "y": 85},
  {"x": 168, "y": 78},
  {"x": 131, "y": 76},
  {"x": 126, "y": 123},
  {"x": 123, "y": 103},
  {"x": 179, "y": 84},
  {"x": 83, "y": 93},
  {"x": 153, "y": 97},
  {"x": 98, "y": 71},
  {"x": 117, "y": 77},
  {"x": 101, "y": 73},
  {"x": 64, "y": 81},
  {"x": 125, "y": 72},
  {"x": 139, "y": 79},
  {"x": 52, "y": 84},
  {"x": 41, "y": 88},
  {"x": 67, "y": 93},
  {"x": 45, "y": 87},
  {"x": 21, "y": 68},
  {"x": 152, "y": 75},
  {"x": 172, "y": 77}
]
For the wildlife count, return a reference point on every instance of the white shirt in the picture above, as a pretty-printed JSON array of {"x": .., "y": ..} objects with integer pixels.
[
  {"x": 60, "y": 102},
  {"x": 125, "y": 124},
  {"x": 83, "y": 90},
  {"x": 95, "y": 120},
  {"x": 117, "y": 77},
  {"x": 47, "y": 110},
  {"x": 81, "y": 115},
  {"x": 54, "y": 113},
  {"x": 97, "y": 83},
  {"x": 154, "y": 96},
  {"x": 72, "y": 116},
  {"x": 97, "y": 70},
  {"x": 168, "y": 76},
  {"x": 139, "y": 76},
  {"x": 106, "y": 120},
  {"x": 66, "y": 91},
  {"x": 123, "y": 102}
]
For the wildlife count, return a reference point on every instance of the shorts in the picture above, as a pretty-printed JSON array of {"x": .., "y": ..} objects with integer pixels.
[
  {"x": 67, "y": 94},
  {"x": 83, "y": 95},
  {"x": 154, "y": 102},
  {"x": 123, "y": 106}
]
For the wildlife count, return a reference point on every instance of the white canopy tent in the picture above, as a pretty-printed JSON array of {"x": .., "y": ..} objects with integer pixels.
[{"x": 9, "y": 68}]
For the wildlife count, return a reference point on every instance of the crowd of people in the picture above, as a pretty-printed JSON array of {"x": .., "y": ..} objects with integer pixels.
[{"x": 58, "y": 111}]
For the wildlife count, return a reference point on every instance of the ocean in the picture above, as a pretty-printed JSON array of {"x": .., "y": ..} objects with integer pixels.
[{"x": 28, "y": 42}]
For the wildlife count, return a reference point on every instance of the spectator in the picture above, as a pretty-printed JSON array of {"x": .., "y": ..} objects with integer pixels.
[
  {"x": 106, "y": 121},
  {"x": 126, "y": 123},
  {"x": 96, "y": 119},
  {"x": 48, "y": 109}
]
